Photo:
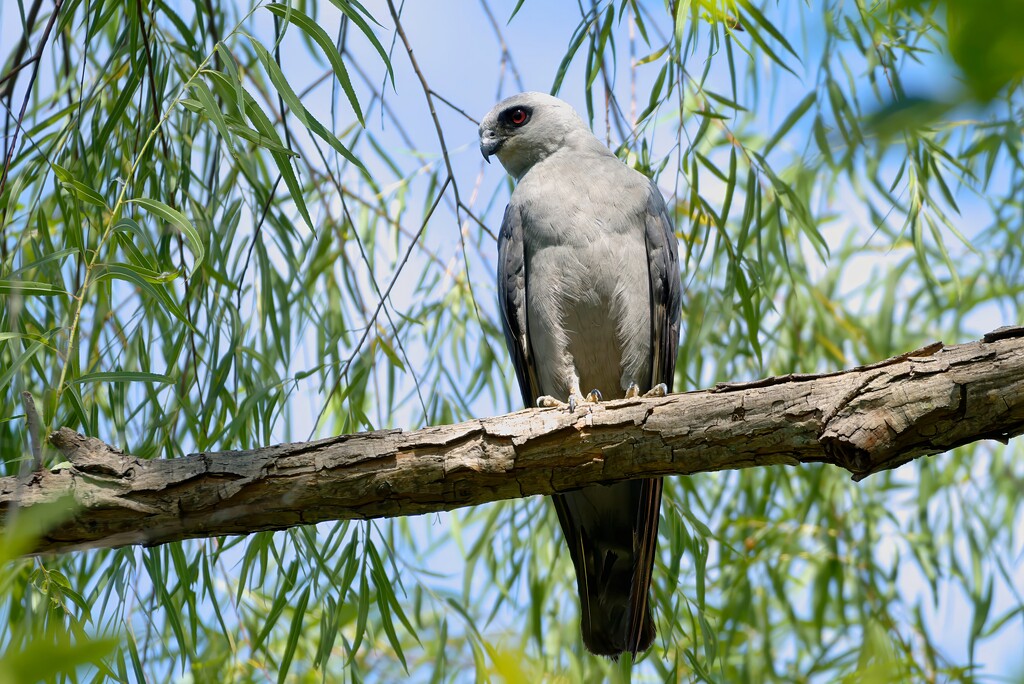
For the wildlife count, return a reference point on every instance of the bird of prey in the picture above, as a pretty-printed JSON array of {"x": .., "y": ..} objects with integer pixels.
[{"x": 589, "y": 290}]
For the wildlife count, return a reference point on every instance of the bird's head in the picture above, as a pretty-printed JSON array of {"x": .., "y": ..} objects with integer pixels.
[{"x": 524, "y": 129}]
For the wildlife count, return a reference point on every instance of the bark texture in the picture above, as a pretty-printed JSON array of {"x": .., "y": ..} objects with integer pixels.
[{"x": 865, "y": 420}]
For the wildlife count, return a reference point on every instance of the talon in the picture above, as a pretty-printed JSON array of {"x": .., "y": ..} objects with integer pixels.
[
  {"x": 632, "y": 391},
  {"x": 575, "y": 399},
  {"x": 595, "y": 397},
  {"x": 659, "y": 390},
  {"x": 545, "y": 401}
]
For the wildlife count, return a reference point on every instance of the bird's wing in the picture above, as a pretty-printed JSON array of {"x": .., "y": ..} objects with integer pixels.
[
  {"x": 666, "y": 297},
  {"x": 512, "y": 300},
  {"x": 665, "y": 303}
]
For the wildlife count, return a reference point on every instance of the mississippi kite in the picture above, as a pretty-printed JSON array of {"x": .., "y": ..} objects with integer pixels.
[{"x": 588, "y": 284}]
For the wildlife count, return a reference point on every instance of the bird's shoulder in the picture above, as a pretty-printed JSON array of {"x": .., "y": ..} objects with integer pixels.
[{"x": 587, "y": 176}]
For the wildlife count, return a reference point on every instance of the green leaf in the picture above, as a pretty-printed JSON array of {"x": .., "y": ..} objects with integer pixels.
[
  {"x": 763, "y": 22},
  {"x": 127, "y": 225},
  {"x": 57, "y": 255},
  {"x": 32, "y": 523},
  {"x": 28, "y": 288},
  {"x": 515, "y": 11},
  {"x": 355, "y": 12},
  {"x": 299, "y": 110},
  {"x": 209, "y": 107},
  {"x": 178, "y": 220},
  {"x": 574, "y": 45},
  {"x": 131, "y": 274},
  {"x": 389, "y": 351},
  {"x": 114, "y": 117},
  {"x": 123, "y": 376},
  {"x": 385, "y": 602},
  {"x": 256, "y": 138},
  {"x": 320, "y": 37},
  {"x": 795, "y": 115},
  {"x": 294, "y": 634},
  {"x": 755, "y": 35},
  {"x": 984, "y": 41},
  {"x": 265, "y": 128},
  {"x": 78, "y": 188}
]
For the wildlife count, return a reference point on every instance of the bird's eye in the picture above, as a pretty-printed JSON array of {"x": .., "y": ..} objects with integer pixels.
[{"x": 518, "y": 117}]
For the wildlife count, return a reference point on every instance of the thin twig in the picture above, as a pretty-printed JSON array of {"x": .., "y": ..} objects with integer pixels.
[
  {"x": 400, "y": 30},
  {"x": 460, "y": 110},
  {"x": 19, "y": 52},
  {"x": 28, "y": 93},
  {"x": 477, "y": 221},
  {"x": 380, "y": 304},
  {"x": 269, "y": 200},
  {"x": 340, "y": 189},
  {"x": 14, "y": 72},
  {"x": 506, "y": 56},
  {"x": 155, "y": 101}
]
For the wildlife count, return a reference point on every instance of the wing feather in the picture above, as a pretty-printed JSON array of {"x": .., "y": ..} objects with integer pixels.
[
  {"x": 512, "y": 301},
  {"x": 666, "y": 310},
  {"x": 665, "y": 289}
]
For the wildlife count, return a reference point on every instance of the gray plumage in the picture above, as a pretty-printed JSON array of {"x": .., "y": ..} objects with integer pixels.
[{"x": 588, "y": 284}]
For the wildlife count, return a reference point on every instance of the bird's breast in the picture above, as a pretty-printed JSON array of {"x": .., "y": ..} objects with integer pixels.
[{"x": 588, "y": 312}]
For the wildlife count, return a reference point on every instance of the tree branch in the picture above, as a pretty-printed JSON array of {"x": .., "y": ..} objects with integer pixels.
[{"x": 865, "y": 420}]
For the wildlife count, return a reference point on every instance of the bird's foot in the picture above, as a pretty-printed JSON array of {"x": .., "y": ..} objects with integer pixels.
[
  {"x": 575, "y": 400},
  {"x": 659, "y": 390},
  {"x": 546, "y": 401}
]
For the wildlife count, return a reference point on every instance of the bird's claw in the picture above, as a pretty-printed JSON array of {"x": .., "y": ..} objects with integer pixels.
[
  {"x": 659, "y": 390},
  {"x": 575, "y": 400}
]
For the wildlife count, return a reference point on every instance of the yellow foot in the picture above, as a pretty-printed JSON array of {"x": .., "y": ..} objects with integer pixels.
[
  {"x": 659, "y": 390},
  {"x": 575, "y": 399}
]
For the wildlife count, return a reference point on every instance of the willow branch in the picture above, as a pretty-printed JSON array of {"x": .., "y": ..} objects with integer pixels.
[{"x": 866, "y": 420}]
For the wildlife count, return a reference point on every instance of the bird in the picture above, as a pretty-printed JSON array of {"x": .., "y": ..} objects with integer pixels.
[{"x": 589, "y": 292}]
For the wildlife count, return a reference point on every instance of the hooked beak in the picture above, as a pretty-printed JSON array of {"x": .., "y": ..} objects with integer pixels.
[{"x": 490, "y": 143}]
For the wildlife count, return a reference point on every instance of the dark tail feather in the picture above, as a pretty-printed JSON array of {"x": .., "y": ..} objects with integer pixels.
[
  {"x": 641, "y": 631},
  {"x": 612, "y": 533}
]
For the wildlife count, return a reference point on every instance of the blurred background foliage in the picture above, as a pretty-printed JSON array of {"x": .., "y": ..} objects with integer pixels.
[{"x": 227, "y": 225}]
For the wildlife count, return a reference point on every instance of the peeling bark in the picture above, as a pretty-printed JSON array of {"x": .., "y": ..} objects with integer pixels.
[{"x": 865, "y": 420}]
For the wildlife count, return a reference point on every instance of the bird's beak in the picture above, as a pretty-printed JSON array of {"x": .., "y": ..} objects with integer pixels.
[{"x": 490, "y": 143}]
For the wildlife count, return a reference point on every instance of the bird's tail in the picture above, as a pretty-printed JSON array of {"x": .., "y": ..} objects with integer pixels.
[{"x": 612, "y": 532}]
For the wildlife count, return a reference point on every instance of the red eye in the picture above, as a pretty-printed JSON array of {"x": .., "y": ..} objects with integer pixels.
[{"x": 519, "y": 117}]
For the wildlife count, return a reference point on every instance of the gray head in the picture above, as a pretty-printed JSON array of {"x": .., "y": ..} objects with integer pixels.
[{"x": 524, "y": 129}]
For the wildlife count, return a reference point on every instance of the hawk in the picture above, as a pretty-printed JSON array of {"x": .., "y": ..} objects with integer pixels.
[{"x": 589, "y": 291}]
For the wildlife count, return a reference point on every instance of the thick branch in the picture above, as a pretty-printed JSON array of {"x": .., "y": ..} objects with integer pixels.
[{"x": 866, "y": 419}]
